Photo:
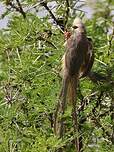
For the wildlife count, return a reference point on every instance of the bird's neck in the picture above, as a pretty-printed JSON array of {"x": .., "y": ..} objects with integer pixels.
[{"x": 79, "y": 34}]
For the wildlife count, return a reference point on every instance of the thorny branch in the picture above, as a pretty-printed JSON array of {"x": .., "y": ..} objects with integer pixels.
[
  {"x": 50, "y": 43},
  {"x": 98, "y": 102},
  {"x": 92, "y": 115},
  {"x": 96, "y": 77},
  {"x": 17, "y": 8},
  {"x": 10, "y": 94},
  {"x": 21, "y": 9},
  {"x": 95, "y": 119},
  {"x": 97, "y": 123},
  {"x": 44, "y": 4}
]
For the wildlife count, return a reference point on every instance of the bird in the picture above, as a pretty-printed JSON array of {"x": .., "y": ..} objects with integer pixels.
[{"x": 77, "y": 62}]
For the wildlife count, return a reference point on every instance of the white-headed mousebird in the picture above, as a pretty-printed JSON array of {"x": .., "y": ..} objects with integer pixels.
[{"x": 76, "y": 63}]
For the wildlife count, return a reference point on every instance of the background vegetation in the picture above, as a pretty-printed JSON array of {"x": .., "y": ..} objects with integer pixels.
[{"x": 31, "y": 48}]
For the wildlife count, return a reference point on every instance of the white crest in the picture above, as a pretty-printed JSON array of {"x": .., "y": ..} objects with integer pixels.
[{"x": 77, "y": 21}]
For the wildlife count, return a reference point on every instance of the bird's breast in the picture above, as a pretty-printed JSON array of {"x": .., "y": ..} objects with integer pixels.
[{"x": 75, "y": 54}]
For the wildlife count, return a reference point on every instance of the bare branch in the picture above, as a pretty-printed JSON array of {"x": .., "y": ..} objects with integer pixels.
[
  {"x": 17, "y": 8},
  {"x": 44, "y": 4},
  {"x": 21, "y": 9}
]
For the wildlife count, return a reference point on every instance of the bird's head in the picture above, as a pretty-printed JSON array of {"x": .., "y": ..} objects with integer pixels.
[{"x": 78, "y": 26}]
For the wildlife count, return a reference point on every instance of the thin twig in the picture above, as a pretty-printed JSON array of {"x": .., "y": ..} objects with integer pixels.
[
  {"x": 21, "y": 9},
  {"x": 18, "y": 9},
  {"x": 43, "y": 39},
  {"x": 44, "y": 4},
  {"x": 97, "y": 122},
  {"x": 67, "y": 11}
]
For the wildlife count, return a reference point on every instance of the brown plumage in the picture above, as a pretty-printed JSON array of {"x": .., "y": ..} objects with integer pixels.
[{"x": 77, "y": 62}]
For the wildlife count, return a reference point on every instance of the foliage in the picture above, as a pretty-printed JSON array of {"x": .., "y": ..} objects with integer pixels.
[{"x": 30, "y": 57}]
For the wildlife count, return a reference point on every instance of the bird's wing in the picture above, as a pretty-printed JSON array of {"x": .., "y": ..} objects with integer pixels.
[{"x": 86, "y": 68}]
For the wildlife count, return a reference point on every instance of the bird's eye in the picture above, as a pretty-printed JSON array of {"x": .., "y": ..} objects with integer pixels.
[{"x": 75, "y": 27}]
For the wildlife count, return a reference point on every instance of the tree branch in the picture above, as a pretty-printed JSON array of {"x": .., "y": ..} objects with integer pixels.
[
  {"x": 18, "y": 9},
  {"x": 96, "y": 77},
  {"x": 44, "y": 4},
  {"x": 21, "y": 9}
]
